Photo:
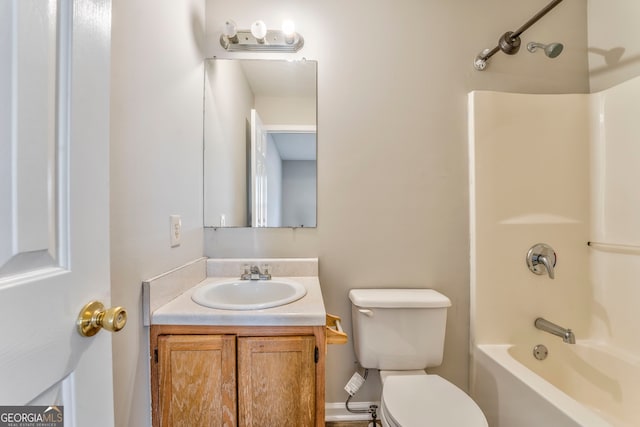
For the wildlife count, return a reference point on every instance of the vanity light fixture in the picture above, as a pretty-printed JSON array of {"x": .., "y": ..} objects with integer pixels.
[{"x": 260, "y": 39}]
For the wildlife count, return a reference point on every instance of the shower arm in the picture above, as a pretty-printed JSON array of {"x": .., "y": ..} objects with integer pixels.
[{"x": 509, "y": 43}]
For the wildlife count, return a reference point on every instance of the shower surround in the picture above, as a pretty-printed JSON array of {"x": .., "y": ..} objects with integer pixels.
[{"x": 561, "y": 170}]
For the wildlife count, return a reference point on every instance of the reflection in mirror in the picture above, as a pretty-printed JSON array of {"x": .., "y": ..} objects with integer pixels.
[{"x": 260, "y": 143}]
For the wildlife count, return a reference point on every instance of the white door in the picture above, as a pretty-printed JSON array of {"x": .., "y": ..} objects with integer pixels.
[
  {"x": 258, "y": 172},
  {"x": 54, "y": 205}
]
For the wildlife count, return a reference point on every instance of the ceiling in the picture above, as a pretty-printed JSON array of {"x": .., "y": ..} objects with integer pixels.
[
  {"x": 295, "y": 146},
  {"x": 281, "y": 78}
]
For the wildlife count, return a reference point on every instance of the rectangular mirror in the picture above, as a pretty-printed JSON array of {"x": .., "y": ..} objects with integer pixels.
[{"x": 260, "y": 147}]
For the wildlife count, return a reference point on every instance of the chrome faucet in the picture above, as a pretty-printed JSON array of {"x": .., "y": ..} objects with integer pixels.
[
  {"x": 542, "y": 255},
  {"x": 254, "y": 273},
  {"x": 566, "y": 334}
]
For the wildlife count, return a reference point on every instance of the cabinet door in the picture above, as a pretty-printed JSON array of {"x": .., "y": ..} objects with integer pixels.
[
  {"x": 276, "y": 381},
  {"x": 197, "y": 380}
]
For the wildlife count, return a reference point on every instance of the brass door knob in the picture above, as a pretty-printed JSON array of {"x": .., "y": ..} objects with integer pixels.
[{"x": 94, "y": 317}]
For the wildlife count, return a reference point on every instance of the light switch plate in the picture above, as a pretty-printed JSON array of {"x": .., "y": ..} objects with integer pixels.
[{"x": 175, "y": 230}]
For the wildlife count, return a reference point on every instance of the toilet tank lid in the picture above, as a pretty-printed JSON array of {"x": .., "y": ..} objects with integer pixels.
[{"x": 397, "y": 298}]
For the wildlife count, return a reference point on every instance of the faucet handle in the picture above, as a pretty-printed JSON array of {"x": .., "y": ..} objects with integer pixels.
[
  {"x": 265, "y": 274},
  {"x": 541, "y": 259},
  {"x": 246, "y": 272}
]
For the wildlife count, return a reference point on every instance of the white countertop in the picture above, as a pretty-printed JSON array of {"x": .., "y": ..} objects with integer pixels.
[{"x": 307, "y": 311}]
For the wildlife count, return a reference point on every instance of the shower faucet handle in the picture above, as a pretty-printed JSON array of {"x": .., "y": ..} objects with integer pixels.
[{"x": 541, "y": 259}]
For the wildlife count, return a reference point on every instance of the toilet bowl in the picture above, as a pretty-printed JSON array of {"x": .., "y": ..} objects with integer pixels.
[
  {"x": 426, "y": 400},
  {"x": 401, "y": 332}
]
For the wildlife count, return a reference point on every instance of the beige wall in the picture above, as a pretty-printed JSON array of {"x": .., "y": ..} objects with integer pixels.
[
  {"x": 156, "y": 169},
  {"x": 393, "y": 204},
  {"x": 614, "y": 42}
]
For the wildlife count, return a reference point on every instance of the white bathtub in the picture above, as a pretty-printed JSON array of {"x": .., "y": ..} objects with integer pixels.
[{"x": 583, "y": 385}]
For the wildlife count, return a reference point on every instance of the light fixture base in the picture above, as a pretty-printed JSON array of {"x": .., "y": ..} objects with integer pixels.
[{"x": 274, "y": 41}]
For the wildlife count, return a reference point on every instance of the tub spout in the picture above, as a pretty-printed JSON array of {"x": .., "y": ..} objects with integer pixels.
[
  {"x": 569, "y": 337},
  {"x": 566, "y": 334}
]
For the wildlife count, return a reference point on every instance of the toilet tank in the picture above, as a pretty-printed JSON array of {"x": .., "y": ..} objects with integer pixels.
[{"x": 398, "y": 329}]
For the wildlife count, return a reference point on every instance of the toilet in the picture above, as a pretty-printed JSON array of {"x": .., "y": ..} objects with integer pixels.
[{"x": 401, "y": 332}]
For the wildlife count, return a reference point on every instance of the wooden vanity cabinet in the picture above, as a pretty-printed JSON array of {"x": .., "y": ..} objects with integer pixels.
[
  {"x": 197, "y": 380},
  {"x": 276, "y": 374},
  {"x": 237, "y": 376}
]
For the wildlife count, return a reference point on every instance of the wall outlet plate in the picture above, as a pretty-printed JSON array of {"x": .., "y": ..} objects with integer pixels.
[{"x": 175, "y": 230}]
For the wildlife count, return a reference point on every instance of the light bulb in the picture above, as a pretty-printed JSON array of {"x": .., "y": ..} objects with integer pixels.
[
  {"x": 230, "y": 28},
  {"x": 230, "y": 31},
  {"x": 289, "y": 30},
  {"x": 288, "y": 27},
  {"x": 259, "y": 30}
]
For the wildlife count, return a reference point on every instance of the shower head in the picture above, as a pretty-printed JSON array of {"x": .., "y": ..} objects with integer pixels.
[{"x": 552, "y": 50}]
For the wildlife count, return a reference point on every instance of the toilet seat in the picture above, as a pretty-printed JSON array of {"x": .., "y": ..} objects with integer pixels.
[{"x": 419, "y": 400}]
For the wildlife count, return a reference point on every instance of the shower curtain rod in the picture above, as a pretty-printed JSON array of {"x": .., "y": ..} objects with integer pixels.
[
  {"x": 510, "y": 42},
  {"x": 622, "y": 246}
]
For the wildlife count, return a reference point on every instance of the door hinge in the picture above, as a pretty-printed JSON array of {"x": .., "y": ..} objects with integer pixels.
[
  {"x": 155, "y": 355},
  {"x": 316, "y": 355}
]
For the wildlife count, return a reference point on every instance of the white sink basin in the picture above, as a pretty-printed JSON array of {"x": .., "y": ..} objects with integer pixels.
[{"x": 248, "y": 294}]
